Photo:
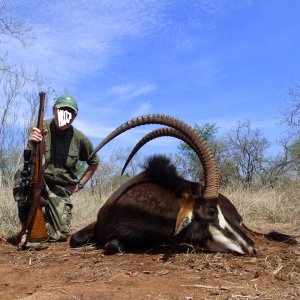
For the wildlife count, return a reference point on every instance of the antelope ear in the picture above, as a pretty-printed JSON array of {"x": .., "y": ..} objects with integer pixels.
[
  {"x": 181, "y": 224},
  {"x": 185, "y": 215}
]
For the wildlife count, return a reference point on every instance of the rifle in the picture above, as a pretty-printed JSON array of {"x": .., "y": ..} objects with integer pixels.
[{"x": 34, "y": 228}]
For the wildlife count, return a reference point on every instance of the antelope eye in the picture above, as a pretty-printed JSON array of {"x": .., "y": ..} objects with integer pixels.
[{"x": 212, "y": 213}]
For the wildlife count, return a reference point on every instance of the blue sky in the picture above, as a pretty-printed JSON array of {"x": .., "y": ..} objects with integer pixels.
[{"x": 202, "y": 61}]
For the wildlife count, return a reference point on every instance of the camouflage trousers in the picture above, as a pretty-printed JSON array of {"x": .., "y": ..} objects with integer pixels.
[{"x": 56, "y": 205}]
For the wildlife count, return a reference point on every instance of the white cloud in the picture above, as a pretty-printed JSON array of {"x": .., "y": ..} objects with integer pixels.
[
  {"x": 77, "y": 38},
  {"x": 95, "y": 130},
  {"x": 142, "y": 109},
  {"x": 131, "y": 90}
]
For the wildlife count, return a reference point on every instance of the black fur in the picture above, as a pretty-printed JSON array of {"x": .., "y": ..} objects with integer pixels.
[
  {"x": 162, "y": 171},
  {"x": 274, "y": 236},
  {"x": 280, "y": 237}
]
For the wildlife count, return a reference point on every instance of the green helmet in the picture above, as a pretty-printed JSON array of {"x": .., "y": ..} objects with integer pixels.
[{"x": 66, "y": 101}]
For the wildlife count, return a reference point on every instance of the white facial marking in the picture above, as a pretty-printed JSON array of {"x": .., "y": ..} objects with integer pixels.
[
  {"x": 64, "y": 117},
  {"x": 224, "y": 241},
  {"x": 223, "y": 224}
]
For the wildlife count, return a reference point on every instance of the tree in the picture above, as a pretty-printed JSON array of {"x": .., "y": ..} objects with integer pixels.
[
  {"x": 246, "y": 149},
  {"x": 8, "y": 119},
  {"x": 188, "y": 162},
  {"x": 291, "y": 116},
  {"x": 18, "y": 95},
  {"x": 11, "y": 29},
  {"x": 18, "y": 111},
  {"x": 108, "y": 175}
]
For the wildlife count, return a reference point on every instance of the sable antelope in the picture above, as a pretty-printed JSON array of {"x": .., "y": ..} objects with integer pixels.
[
  {"x": 144, "y": 210},
  {"x": 186, "y": 207},
  {"x": 227, "y": 207}
]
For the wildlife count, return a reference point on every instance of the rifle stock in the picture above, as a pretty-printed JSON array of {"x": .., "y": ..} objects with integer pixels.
[{"x": 34, "y": 228}]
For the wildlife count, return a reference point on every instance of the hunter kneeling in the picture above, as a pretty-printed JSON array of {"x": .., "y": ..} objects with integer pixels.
[{"x": 64, "y": 146}]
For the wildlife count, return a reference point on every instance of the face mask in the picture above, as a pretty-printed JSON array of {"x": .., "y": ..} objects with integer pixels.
[{"x": 64, "y": 117}]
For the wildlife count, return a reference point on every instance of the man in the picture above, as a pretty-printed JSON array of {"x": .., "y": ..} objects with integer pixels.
[{"x": 65, "y": 145}]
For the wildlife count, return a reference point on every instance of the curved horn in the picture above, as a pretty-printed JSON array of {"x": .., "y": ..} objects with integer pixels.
[
  {"x": 163, "y": 131},
  {"x": 211, "y": 175}
]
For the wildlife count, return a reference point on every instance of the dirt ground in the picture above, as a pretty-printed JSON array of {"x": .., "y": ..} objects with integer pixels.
[{"x": 163, "y": 273}]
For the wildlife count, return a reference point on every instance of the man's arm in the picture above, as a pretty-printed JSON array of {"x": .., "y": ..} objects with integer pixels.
[{"x": 89, "y": 172}]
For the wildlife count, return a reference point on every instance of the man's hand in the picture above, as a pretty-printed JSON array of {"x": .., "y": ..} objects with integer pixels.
[
  {"x": 36, "y": 136},
  {"x": 72, "y": 188}
]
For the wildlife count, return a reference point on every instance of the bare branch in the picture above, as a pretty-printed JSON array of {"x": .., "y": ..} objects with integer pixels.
[{"x": 11, "y": 27}]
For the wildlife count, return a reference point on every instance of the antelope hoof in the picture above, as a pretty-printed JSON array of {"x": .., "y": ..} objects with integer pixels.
[{"x": 112, "y": 247}]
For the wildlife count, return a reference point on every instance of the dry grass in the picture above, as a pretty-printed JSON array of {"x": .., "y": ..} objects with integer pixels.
[
  {"x": 267, "y": 205},
  {"x": 263, "y": 206},
  {"x": 9, "y": 223},
  {"x": 85, "y": 211},
  {"x": 85, "y": 208}
]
